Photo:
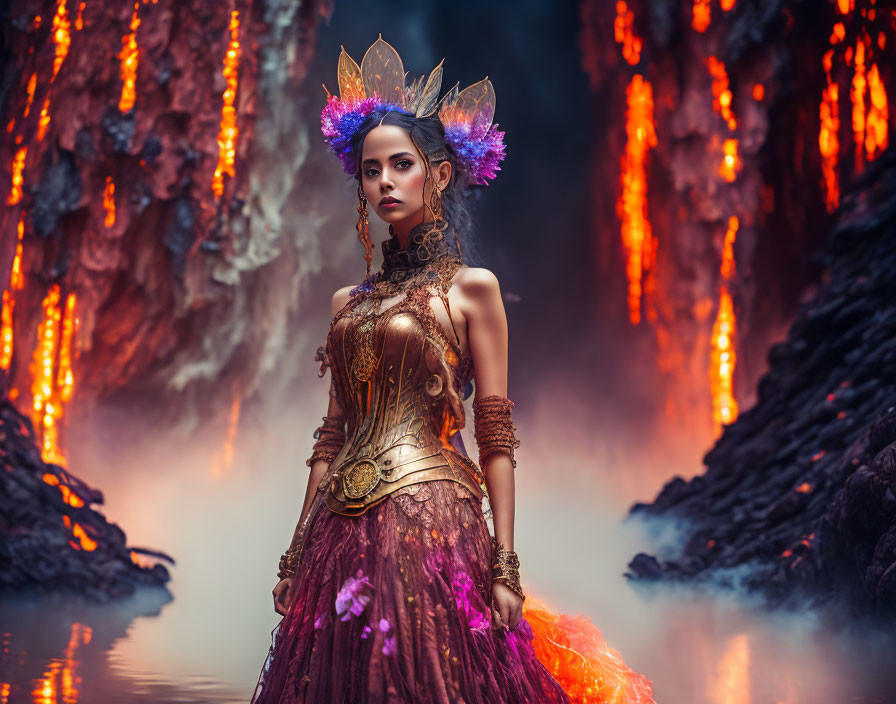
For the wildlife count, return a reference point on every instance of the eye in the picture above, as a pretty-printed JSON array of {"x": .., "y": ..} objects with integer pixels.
[
  {"x": 370, "y": 172},
  {"x": 404, "y": 164}
]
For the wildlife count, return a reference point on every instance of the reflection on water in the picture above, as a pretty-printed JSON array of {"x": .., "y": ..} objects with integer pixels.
[
  {"x": 205, "y": 642},
  {"x": 56, "y": 651}
]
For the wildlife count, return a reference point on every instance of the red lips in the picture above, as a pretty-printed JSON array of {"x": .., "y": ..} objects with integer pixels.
[{"x": 389, "y": 199}]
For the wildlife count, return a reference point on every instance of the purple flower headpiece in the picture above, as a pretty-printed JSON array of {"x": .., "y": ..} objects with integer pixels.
[{"x": 379, "y": 84}]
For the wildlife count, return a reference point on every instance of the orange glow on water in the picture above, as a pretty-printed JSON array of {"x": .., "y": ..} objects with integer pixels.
[
  {"x": 701, "y": 15},
  {"x": 228, "y": 132},
  {"x": 637, "y": 234},
  {"x": 109, "y": 201},
  {"x": 730, "y": 680},
  {"x": 128, "y": 58},
  {"x": 61, "y": 682},
  {"x": 624, "y": 32}
]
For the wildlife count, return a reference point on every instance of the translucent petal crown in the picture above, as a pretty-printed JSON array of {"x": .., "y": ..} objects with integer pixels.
[{"x": 381, "y": 83}]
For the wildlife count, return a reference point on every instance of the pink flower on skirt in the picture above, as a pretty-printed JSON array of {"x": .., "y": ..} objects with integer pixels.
[{"x": 349, "y": 600}]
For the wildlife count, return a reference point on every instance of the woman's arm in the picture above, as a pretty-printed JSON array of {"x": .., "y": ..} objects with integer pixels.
[{"x": 487, "y": 336}]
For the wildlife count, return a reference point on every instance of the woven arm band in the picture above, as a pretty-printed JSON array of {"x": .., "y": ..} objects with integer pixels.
[
  {"x": 493, "y": 428},
  {"x": 330, "y": 439}
]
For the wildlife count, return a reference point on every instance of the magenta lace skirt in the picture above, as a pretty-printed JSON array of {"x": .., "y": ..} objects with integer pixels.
[{"x": 394, "y": 606}]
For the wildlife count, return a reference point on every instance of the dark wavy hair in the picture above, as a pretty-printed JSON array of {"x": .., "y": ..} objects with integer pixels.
[{"x": 428, "y": 134}]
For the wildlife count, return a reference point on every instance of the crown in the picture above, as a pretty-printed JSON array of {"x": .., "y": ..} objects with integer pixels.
[{"x": 380, "y": 83}]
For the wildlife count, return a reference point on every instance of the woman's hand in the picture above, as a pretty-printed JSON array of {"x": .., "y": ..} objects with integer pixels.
[
  {"x": 507, "y": 606},
  {"x": 282, "y": 596}
]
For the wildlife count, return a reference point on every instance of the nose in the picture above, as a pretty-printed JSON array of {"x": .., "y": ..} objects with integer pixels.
[{"x": 386, "y": 182}]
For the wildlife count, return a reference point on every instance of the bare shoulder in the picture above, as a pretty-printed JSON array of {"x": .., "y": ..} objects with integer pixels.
[
  {"x": 340, "y": 298},
  {"x": 480, "y": 294},
  {"x": 477, "y": 283}
]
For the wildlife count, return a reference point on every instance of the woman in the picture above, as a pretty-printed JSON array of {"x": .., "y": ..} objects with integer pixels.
[{"x": 393, "y": 589}]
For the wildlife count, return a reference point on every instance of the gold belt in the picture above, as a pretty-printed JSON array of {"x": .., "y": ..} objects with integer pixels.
[{"x": 363, "y": 481}]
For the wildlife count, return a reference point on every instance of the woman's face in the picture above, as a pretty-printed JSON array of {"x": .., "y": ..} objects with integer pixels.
[{"x": 393, "y": 177}]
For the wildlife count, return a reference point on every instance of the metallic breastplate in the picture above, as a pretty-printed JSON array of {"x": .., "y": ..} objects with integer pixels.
[{"x": 402, "y": 412}]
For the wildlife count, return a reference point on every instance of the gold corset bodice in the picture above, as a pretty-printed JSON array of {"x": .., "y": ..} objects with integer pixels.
[{"x": 399, "y": 379}]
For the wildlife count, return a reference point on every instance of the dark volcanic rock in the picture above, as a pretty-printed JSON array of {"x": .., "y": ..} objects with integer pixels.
[
  {"x": 51, "y": 540},
  {"x": 800, "y": 491}
]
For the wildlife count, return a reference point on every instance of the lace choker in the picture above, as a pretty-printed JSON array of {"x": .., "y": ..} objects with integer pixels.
[{"x": 402, "y": 264}]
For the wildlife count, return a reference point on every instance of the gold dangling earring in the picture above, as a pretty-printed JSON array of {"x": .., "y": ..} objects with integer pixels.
[{"x": 362, "y": 226}]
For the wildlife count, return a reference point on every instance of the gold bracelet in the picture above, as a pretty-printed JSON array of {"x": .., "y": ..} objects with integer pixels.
[
  {"x": 288, "y": 562},
  {"x": 506, "y": 568}
]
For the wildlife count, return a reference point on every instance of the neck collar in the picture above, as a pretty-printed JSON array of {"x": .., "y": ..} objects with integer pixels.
[{"x": 400, "y": 264}]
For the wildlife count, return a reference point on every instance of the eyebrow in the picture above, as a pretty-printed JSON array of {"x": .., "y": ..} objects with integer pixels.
[{"x": 394, "y": 156}]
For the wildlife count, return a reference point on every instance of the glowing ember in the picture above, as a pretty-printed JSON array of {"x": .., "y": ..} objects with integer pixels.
[
  {"x": 65, "y": 381},
  {"x": 859, "y": 86},
  {"x": 637, "y": 235},
  {"x": 228, "y": 131},
  {"x": 50, "y": 391},
  {"x": 6, "y": 330},
  {"x": 68, "y": 495},
  {"x": 16, "y": 280},
  {"x": 576, "y": 654},
  {"x": 828, "y": 142},
  {"x": 44, "y": 120},
  {"x": 128, "y": 67},
  {"x": 18, "y": 164},
  {"x": 728, "y": 4},
  {"x": 838, "y": 34},
  {"x": 731, "y": 162},
  {"x": 61, "y": 35},
  {"x": 701, "y": 17},
  {"x": 79, "y": 22},
  {"x": 845, "y": 6},
  {"x": 109, "y": 201},
  {"x": 723, "y": 356},
  {"x": 758, "y": 92},
  {"x": 140, "y": 560},
  {"x": 623, "y": 29},
  {"x": 32, "y": 84},
  {"x": 804, "y": 488},
  {"x": 876, "y": 138},
  {"x": 721, "y": 94}
]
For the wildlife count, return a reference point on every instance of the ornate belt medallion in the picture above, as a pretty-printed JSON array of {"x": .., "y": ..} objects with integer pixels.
[{"x": 360, "y": 478}]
